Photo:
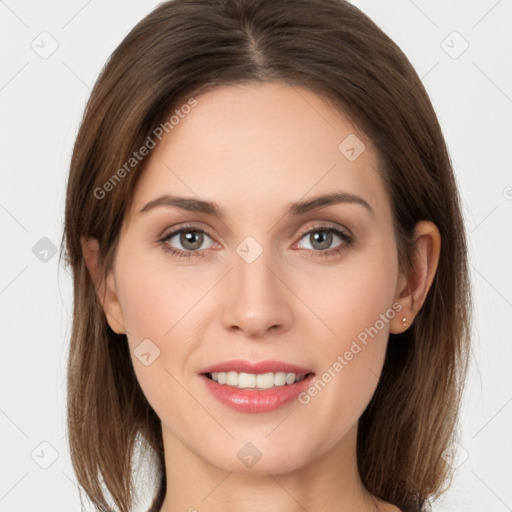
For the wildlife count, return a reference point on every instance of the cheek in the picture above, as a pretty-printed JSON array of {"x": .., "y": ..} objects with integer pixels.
[
  {"x": 351, "y": 297},
  {"x": 154, "y": 298},
  {"x": 355, "y": 303},
  {"x": 161, "y": 308}
]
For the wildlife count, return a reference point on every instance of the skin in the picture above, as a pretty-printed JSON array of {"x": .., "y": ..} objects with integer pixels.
[{"x": 253, "y": 150}]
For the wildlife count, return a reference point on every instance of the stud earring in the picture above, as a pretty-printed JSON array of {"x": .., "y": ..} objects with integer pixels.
[{"x": 404, "y": 321}]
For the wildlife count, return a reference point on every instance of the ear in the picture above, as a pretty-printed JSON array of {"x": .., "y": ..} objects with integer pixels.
[
  {"x": 412, "y": 290},
  {"x": 106, "y": 289}
]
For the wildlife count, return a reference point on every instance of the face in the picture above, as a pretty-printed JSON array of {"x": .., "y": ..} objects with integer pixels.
[{"x": 313, "y": 287}]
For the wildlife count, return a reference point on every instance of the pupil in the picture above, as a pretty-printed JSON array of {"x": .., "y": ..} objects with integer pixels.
[
  {"x": 188, "y": 238},
  {"x": 325, "y": 241}
]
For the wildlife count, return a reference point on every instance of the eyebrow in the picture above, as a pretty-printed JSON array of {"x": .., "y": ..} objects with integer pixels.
[{"x": 294, "y": 209}]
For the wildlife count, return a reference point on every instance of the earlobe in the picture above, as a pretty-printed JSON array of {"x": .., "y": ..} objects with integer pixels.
[
  {"x": 413, "y": 289},
  {"x": 105, "y": 288}
]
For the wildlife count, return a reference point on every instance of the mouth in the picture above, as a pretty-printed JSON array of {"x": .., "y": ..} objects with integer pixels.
[
  {"x": 256, "y": 381},
  {"x": 256, "y": 387},
  {"x": 256, "y": 375}
]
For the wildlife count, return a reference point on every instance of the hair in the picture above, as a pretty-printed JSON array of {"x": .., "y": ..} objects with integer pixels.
[{"x": 184, "y": 47}]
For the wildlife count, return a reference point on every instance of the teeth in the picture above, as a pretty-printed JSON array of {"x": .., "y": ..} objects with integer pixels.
[{"x": 255, "y": 381}]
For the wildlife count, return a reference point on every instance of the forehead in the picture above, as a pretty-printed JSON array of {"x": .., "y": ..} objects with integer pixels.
[{"x": 256, "y": 144}]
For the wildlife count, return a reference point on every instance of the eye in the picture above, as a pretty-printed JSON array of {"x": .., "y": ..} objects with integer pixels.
[
  {"x": 191, "y": 240},
  {"x": 321, "y": 238}
]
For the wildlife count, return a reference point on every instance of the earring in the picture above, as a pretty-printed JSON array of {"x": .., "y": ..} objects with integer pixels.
[
  {"x": 109, "y": 330},
  {"x": 404, "y": 321}
]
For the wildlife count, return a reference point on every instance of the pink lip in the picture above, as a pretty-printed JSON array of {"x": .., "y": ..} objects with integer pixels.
[
  {"x": 242, "y": 365},
  {"x": 252, "y": 400}
]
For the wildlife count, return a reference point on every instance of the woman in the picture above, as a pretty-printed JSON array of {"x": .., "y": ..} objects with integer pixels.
[{"x": 270, "y": 278}]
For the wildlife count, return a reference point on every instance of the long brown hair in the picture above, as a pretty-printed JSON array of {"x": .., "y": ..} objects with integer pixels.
[{"x": 332, "y": 48}]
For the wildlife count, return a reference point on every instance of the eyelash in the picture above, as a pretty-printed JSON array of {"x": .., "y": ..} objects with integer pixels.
[{"x": 347, "y": 241}]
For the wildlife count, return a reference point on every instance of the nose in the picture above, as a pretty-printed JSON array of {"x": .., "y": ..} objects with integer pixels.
[{"x": 257, "y": 298}]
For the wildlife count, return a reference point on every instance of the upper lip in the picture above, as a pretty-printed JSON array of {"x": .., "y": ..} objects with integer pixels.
[{"x": 267, "y": 366}]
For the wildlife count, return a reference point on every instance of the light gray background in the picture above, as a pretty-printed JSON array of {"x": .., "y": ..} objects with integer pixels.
[{"x": 41, "y": 103}]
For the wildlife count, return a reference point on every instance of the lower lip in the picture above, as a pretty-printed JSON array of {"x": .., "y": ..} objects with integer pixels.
[{"x": 263, "y": 400}]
